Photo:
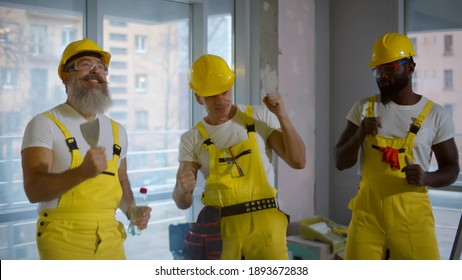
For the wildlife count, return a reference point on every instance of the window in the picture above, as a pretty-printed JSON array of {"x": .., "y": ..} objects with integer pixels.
[
  {"x": 118, "y": 65},
  {"x": 156, "y": 118},
  {"x": 118, "y": 37},
  {"x": 38, "y": 95},
  {"x": 68, "y": 35},
  {"x": 38, "y": 39},
  {"x": 448, "y": 45},
  {"x": 11, "y": 124},
  {"x": 9, "y": 78},
  {"x": 141, "y": 119},
  {"x": 118, "y": 51},
  {"x": 118, "y": 78},
  {"x": 141, "y": 44},
  {"x": 220, "y": 29},
  {"x": 448, "y": 107},
  {"x": 119, "y": 102},
  {"x": 425, "y": 19},
  {"x": 118, "y": 90},
  {"x": 154, "y": 121},
  {"x": 121, "y": 116},
  {"x": 141, "y": 83},
  {"x": 448, "y": 79}
]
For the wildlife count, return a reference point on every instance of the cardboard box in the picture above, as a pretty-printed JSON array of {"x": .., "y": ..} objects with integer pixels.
[
  {"x": 319, "y": 228},
  {"x": 303, "y": 249}
]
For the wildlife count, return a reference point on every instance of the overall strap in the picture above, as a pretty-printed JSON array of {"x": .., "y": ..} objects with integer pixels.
[
  {"x": 71, "y": 142},
  {"x": 247, "y": 118},
  {"x": 116, "y": 149},
  {"x": 370, "y": 107},
  {"x": 203, "y": 132},
  {"x": 415, "y": 126}
]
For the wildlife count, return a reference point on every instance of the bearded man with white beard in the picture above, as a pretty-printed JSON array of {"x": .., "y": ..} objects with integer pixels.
[{"x": 79, "y": 185}]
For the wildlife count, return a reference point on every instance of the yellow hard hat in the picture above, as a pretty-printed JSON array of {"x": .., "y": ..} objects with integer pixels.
[
  {"x": 210, "y": 75},
  {"x": 391, "y": 47},
  {"x": 81, "y": 48}
]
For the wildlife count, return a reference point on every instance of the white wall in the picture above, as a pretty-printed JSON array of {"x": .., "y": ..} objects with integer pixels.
[{"x": 297, "y": 85}]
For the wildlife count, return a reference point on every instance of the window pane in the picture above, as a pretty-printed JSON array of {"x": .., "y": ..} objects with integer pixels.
[
  {"x": 220, "y": 29},
  {"x": 154, "y": 59},
  {"x": 152, "y": 42},
  {"x": 29, "y": 84},
  {"x": 435, "y": 27}
]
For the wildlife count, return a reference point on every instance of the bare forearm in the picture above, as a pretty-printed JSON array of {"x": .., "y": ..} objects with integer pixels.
[
  {"x": 183, "y": 200},
  {"x": 346, "y": 154},
  {"x": 43, "y": 186},
  {"x": 127, "y": 197},
  {"x": 442, "y": 177},
  {"x": 294, "y": 148}
]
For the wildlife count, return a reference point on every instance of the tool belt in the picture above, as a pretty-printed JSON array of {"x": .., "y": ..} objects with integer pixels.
[
  {"x": 248, "y": 207},
  {"x": 203, "y": 240}
]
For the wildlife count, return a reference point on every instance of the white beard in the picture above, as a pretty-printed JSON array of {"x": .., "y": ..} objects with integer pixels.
[{"x": 88, "y": 101}]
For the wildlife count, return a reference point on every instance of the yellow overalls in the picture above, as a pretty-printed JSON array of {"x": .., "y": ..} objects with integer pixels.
[
  {"x": 387, "y": 212},
  {"x": 83, "y": 226},
  {"x": 236, "y": 176}
]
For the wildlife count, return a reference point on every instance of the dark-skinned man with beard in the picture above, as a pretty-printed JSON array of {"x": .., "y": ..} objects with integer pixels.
[
  {"x": 79, "y": 185},
  {"x": 394, "y": 135}
]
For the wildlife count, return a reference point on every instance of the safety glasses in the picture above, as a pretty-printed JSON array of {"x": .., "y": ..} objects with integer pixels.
[
  {"x": 88, "y": 65},
  {"x": 390, "y": 68}
]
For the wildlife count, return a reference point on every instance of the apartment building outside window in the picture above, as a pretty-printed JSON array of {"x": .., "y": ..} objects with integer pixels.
[
  {"x": 448, "y": 45},
  {"x": 9, "y": 78},
  {"x": 141, "y": 83},
  {"x": 437, "y": 35},
  {"x": 448, "y": 79},
  {"x": 68, "y": 35},
  {"x": 37, "y": 43},
  {"x": 141, "y": 44}
]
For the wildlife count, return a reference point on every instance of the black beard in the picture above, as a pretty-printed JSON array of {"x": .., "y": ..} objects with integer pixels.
[
  {"x": 89, "y": 101},
  {"x": 392, "y": 89}
]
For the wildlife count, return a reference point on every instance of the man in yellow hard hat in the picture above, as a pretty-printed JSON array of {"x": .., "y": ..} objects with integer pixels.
[
  {"x": 232, "y": 147},
  {"x": 394, "y": 135},
  {"x": 79, "y": 180}
]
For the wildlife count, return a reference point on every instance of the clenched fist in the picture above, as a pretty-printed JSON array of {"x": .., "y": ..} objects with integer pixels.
[
  {"x": 415, "y": 175},
  {"x": 370, "y": 126},
  {"x": 94, "y": 162},
  {"x": 274, "y": 103}
]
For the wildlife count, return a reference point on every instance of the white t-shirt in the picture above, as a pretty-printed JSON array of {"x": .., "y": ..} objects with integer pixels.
[
  {"x": 41, "y": 131},
  {"x": 229, "y": 134},
  {"x": 396, "y": 119}
]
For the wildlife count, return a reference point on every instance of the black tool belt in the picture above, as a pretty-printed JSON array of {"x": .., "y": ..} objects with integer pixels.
[
  {"x": 203, "y": 240},
  {"x": 248, "y": 207}
]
